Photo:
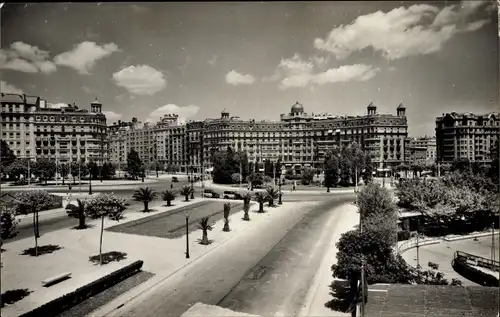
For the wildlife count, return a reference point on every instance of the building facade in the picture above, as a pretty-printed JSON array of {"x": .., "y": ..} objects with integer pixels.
[
  {"x": 468, "y": 136},
  {"x": 300, "y": 139},
  {"x": 421, "y": 150},
  {"x": 34, "y": 130}
]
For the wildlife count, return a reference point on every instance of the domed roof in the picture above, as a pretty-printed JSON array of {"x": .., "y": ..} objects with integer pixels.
[
  {"x": 95, "y": 102},
  {"x": 401, "y": 106},
  {"x": 371, "y": 106},
  {"x": 297, "y": 108}
]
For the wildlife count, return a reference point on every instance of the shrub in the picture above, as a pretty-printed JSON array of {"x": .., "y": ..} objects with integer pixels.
[
  {"x": 456, "y": 282},
  {"x": 168, "y": 196},
  {"x": 236, "y": 178},
  {"x": 433, "y": 265},
  {"x": 403, "y": 235},
  {"x": 205, "y": 226},
  {"x": 146, "y": 195},
  {"x": 8, "y": 222}
]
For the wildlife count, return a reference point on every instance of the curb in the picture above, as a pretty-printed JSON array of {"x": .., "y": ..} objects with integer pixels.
[
  {"x": 472, "y": 236},
  {"x": 151, "y": 286}
]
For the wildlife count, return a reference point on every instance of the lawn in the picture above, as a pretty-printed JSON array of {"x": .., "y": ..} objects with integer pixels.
[{"x": 172, "y": 224}]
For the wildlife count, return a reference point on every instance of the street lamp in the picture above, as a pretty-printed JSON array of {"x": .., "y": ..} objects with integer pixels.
[
  {"x": 90, "y": 182},
  {"x": 192, "y": 183},
  {"x": 187, "y": 233},
  {"x": 279, "y": 189}
]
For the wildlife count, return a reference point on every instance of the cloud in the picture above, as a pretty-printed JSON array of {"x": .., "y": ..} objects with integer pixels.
[
  {"x": 84, "y": 56},
  {"x": 7, "y": 88},
  {"x": 213, "y": 60},
  {"x": 235, "y": 78},
  {"x": 298, "y": 73},
  {"x": 183, "y": 112},
  {"x": 26, "y": 58},
  {"x": 140, "y": 80},
  {"x": 139, "y": 9},
  {"x": 417, "y": 30},
  {"x": 112, "y": 116}
]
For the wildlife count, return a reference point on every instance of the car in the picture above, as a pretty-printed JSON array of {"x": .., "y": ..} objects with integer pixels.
[
  {"x": 175, "y": 179},
  {"x": 229, "y": 194}
]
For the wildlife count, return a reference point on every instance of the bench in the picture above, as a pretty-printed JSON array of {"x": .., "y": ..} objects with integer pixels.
[{"x": 56, "y": 279}]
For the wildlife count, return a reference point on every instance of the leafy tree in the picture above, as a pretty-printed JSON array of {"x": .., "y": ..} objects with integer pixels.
[
  {"x": 246, "y": 207},
  {"x": 108, "y": 171},
  {"x": 79, "y": 170},
  {"x": 227, "y": 210},
  {"x": 289, "y": 173},
  {"x": 146, "y": 195},
  {"x": 36, "y": 200},
  {"x": 103, "y": 205},
  {"x": 307, "y": 176},
  {"x": 18, "y": 167},
  {"x": 186, "y": 191},
  {"x": 44, "y": 169},
  {"x": 168, "y": 196},
  {"x": 78, "y": 211},
  {"x": 261, "y": 198},
  {"x": 373, "y": 200},
  {"x": 226, "y": 163},
  {"x": 236, "y": 178},
  {"x": 357, "y": 161},
  {"x": 134, "y": 165},
  {"x": 332, "y": 167},
  {"x": 93, "y": 170},
  {"x": 205, "y": 226},
  {"x": 8, "y": 222},
  {"x": 63, "y": 170},
  {"x": 368, "y": 172},
  {"x": 256, "y": 179},
  {"x": 7, "y": 156},
  {"x": 272, "y": 195}
]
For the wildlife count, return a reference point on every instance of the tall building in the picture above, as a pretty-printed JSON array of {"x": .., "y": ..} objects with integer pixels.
[
  {"x": 422, "y": 149},
  {"x": 300, "y": 139},
  {"x": 466, "y": 136},
  {"x": 35, "y": 130}
]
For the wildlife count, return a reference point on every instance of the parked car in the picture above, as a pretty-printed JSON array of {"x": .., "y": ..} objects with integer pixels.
[
  {"x": 175, "y": 179},
  {"x": 228, "y": 194}
]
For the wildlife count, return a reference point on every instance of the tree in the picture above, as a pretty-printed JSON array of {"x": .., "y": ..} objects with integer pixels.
[
  {"x": 108, "y": 171},
  {"x": 368, "y": 172},
  {"x": 375, "y": 200},
  {"x": 146, "y": 195},
  {"x": 307, "y": 176},
  {"x": 261, "y": 198},
  {"x": 63, "y": 171},
  {"x": 357, "y": 161},
  {"x": 186, "y": 191},
  {"x": 227, "y": 210},
  {"x": 104, "y": 205},
  {"x": 78, "y": 211},
  {"x": 246, "y": 207},
  {"x": 6, "y": 156},
  {"x": 79, "y": 170},
  {"x": 236, "y": 178},
  {"x": 44, "y": 169},
  {"x": 8, "y": 222},
  {"x": 332, "y": 166},
  {"x": 168, "y": 196},
  {"x": 36, "y": 200},
  {"x": 134, "y": 164},
  {"x": 205, "y": 226},
  {"x": 18, "y": 167},
  {"x": 256, "y": 179},
  {"x": 272, "y": 195}
]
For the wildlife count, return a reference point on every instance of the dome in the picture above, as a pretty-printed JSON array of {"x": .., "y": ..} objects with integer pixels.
[
  {"x": 401, "y": 106},
  {"x": 371, "y": 106},
  {"x": 95, "y": 102},
  {"x": 297, "y": 108}
]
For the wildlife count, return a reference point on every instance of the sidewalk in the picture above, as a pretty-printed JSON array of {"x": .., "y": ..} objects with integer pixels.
[
  {"x": 318, "y": 295},
  {"x": 85, "y": 184}
]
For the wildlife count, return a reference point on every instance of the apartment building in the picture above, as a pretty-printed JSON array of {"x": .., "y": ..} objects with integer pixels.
[
  {"x": 300, "y": 139},
  {"x": 466, "y": 136},
  {"x": 421, "y": 149},
  {"x": 33, "y": 129}
]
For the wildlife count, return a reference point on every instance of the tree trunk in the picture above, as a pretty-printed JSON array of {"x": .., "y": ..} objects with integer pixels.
[
  {"x": 146, "y": 209},
  {"x": 204, "y": 239},
  {"x": 328, "y": 189},
  {"x": 100, "y": 240},
  {"x": 63, "y": 181},
  {"x": 226, "y": 225},
  {"x": 81, "y": 219},
  {"x": 261, "y": 207},
  {"x": 34, "y": 229},
  {"x": 187, "y": 197},
  {"x": 246, "y": 217},
  {"x": 271, "y": 202},
  {"x": 169, "y": 203}
]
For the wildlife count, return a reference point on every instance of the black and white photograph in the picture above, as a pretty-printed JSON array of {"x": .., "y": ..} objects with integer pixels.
[{"x": 250, "y": 158}]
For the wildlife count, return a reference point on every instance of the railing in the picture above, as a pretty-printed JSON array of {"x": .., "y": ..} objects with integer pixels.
[
  {"x": 478, "y": 260},
  {"x": 412, "y": 243},
  {"x": 463, "y": 263}
]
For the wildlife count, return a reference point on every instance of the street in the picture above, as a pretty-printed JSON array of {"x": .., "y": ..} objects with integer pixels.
[{"x": 261, "y": 274}]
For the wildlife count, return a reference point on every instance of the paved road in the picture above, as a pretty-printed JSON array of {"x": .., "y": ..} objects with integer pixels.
[{"x": 279, "y": 262}]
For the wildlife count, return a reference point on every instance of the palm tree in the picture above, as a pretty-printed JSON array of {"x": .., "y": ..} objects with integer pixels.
[
  {"x": 78, "y": 211},
  {"x": 168, "y": 196},
  {"x": 227, "y": 210},
  {"x": 186, "y": 191},
  {"x": 272, "y": 194},
  {"x": 146, "y": 195},
  {"x": 261, "y": 198},
  {"x": 204, "y": 226}
]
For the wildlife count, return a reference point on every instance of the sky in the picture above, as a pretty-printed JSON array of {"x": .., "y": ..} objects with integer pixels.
[{"x": 255, "y": 59}]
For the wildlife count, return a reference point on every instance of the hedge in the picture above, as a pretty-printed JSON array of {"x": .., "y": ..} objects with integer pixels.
[
  {"x": 71, "y": 299},
  {"x": 403, "y": 235}
]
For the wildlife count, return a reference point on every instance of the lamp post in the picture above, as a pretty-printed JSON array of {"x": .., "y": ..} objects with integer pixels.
[
  {"x": 187, "y": 234},
  {"x": 192, "y": 183},
  {"x": 279, "y": 189},
  {"x": 90, "y": 182}
]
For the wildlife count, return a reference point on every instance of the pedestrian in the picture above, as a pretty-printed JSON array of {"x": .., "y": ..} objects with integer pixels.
[{"x": 293, "y": 188}]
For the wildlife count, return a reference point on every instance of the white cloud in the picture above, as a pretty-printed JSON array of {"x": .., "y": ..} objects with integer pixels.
[
  {"x": 26, "y": 58},
  {"x": 183, "y": 112},
  {"x": 84, "y": 56},
  {"x": 112, "y": 116},
  {"x": 140, "y": 80},
  {"x": 403, "y": 32},
  {"x": 7, "y": 88},
  {"x": 235, "y": 78},
  {"x": 357, "y": 72}
]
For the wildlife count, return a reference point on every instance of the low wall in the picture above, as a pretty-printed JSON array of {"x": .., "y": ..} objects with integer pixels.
[
  {"x": 412, "y": 243},
  {"x": 461, "y": 264}
]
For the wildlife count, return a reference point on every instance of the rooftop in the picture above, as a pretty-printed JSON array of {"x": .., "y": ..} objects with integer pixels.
[{"x": 401, "y": 300}]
